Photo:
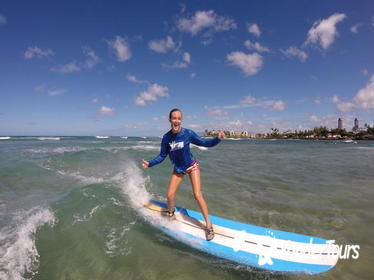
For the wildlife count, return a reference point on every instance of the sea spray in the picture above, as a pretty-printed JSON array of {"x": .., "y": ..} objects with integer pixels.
[
  {"x": 134, "y": 187},
  {"x": 86, "y": 180},
  {"x": 18, "y": 253}
]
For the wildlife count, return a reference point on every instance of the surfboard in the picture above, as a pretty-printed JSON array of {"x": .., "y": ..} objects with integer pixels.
[{"x": 247, "y": 244}]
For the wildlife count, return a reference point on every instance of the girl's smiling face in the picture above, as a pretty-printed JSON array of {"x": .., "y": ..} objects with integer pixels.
[{"x": 176, "y": 121}]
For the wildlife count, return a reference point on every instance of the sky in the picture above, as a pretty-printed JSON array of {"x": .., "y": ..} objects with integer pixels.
[{"x": 118, "y": 67}]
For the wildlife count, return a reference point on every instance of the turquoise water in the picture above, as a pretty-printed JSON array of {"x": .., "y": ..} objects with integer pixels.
[{"x": 69, "y": 207}]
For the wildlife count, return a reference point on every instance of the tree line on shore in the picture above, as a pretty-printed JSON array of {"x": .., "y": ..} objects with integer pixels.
[{"x": 321, "y": 132}]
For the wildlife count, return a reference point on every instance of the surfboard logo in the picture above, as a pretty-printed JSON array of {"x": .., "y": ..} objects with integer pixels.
[{"x": 176, "y": 146}]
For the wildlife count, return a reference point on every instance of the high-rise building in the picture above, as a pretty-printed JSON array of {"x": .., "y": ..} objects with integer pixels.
[
  {"x": 356, "y": 125},
  {"x": 340, "y": 123}
]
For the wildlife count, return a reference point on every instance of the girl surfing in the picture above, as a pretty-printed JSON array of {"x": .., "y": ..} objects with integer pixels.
[{"x": 176, "y": 144}]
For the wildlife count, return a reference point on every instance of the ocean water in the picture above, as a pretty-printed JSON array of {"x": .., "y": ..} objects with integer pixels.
[{"x": 69, "y": 208}]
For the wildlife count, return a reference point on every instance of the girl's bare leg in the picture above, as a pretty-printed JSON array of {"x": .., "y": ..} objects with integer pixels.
[
  {"x": 196, "y": 187},
  {"x": 174, "y": 183}
]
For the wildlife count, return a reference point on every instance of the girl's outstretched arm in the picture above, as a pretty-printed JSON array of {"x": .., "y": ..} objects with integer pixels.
[
  {"x": 195, "y": 139},
  {"x": 163, "y": 153}
]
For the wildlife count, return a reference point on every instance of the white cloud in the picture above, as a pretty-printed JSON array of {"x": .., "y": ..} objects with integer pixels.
[
  {"x": 179, "y": 64},
  {"x": 195, "y": 126},
  {"x": 254, "y": 29},
  {"x": 187, "y": 57},
  {"x": 365, "y": 72},
  {"x": 364, "y": 99},
  {"x": 295, "y": 52},
  {"x": 248, "y": 100},
  {"x": 95, "y": 100},
  {"x": 250, "y": 64},
  {"x": 183, "y": 7},
  {"x": 279, "y": 105},
  {"x": 153, "y": 92},
  {"x": 255, "y": 46},
  {"x": 335, "y": 99},
  {"x": 175, "y": 65},
  {"x": 92, "y": 58},
  {"x": 215, "y": 111},
  {"x": 236, "y": 123},
  {"x": 330, "y": 121},
  {"x": 67, "y": 68},
  {"x": 56, "y": 92},
  {"x": 40, "y": 88},
  {"x": 354, "y": 28},
  {"x": 205, "y": 20},
  {"x": 318, "y": 100},
  {"x": 134, "y": 79},
  {"x": 324, "y": 31},
  {"x": 3, "y": 20},
  {"x": 35, "y": 51},
  {"x": 163, "y": 45},
  {"x": 105, "y": 111},
  {"x": 192, "y": 75},
  {"x": 313, "y": 118},
  {"x": 345, "y": 106},
  {"x": 121, "y": 48}
]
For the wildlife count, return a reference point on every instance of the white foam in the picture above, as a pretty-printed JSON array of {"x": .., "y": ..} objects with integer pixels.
[
  {"x": 58, "y": 150},
  {"x": 116, "y": 202},
  {"x": 135, "y": 147},
  {"x": 62, "y": 150},
  {"x": 116, "y": 242},
  {"x": 87, "y": 180},
  {"x": 145, "y": 148},
  {"x": 79, "y": 219},
  {"x": 140, "y": 148},
  {"x": 145, "y": 142},
  {"x": 18, "y": 253},
  {"x": 49, "y": 138},
  {"x": 133, "y": 185}
]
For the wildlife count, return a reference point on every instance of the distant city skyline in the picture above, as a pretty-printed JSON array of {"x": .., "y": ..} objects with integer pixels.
[
  {"x": 341, "y": 124},
  {"x": 118, "y": 67}
]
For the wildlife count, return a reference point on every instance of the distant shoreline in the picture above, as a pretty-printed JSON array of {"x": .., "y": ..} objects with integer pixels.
[{"x": 366, "y": 137}]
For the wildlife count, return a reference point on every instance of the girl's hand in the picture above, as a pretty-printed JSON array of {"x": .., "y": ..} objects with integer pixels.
[
  {"x": 145, "y": 164},
  {"x": 221, "y": 135}
]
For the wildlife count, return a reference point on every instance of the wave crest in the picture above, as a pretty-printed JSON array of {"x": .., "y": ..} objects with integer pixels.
[{"x": 18, "y": 253}]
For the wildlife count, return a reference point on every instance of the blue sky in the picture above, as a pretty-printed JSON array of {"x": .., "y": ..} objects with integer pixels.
[{"x": 118, "y": 67}]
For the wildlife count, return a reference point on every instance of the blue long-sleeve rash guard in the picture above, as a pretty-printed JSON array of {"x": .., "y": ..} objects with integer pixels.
[{"x": 177, "y": 146}]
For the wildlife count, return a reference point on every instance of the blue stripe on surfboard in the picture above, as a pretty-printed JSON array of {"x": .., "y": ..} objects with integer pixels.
[{"x": 279, "y": 234}]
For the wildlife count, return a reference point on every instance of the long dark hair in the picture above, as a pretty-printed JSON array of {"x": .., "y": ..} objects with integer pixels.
[{"x": 172, "y": 111}]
